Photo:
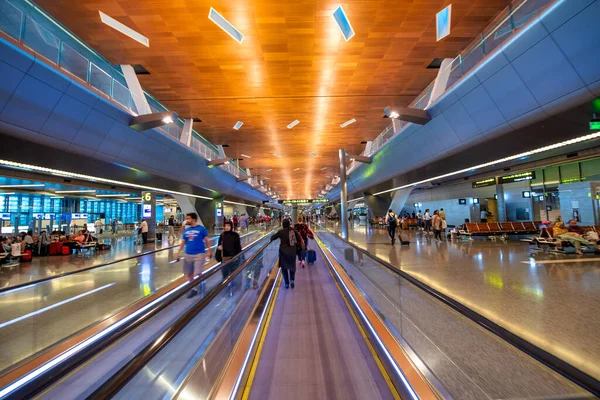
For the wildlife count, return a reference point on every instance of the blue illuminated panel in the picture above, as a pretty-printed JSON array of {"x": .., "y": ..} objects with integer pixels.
[
  {"x": 442, "y": 22},
  {"x": 343, "y": 23}
]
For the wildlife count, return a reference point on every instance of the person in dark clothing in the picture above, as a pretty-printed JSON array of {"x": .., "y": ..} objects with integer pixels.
[
  {"x": 392, "y": 223},
  {"x": 229, "y": 245},
  {"x": 306, "y": 233},
  {"x": 288, "y": 247}
]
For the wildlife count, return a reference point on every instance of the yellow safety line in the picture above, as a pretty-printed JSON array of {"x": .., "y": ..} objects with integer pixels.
[
  {"x": 261, "y": 342},
  {"x": 382, "y": 369}
]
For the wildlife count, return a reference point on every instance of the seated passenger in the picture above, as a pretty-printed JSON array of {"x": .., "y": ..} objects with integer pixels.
[
  {"x": 572, "y": 235},
  {"x": 15, "y": 248},
  {"x": 5, "y": 245},
  {"x": 79, "y": 238}
]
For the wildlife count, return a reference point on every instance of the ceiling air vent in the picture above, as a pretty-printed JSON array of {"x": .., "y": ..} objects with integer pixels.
[
  {"x": 571, "y": 155},
  {"x": 139, "y": 69},
  {"x": 435, "y": 64}
]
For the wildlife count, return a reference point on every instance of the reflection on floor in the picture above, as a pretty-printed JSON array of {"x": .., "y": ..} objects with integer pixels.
[
  {"x": 123, "y": 246},
  {"x": 553, "y": 303}
]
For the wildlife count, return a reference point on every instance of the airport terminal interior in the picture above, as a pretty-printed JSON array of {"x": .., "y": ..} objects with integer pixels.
[{"x": 300, "y": 199}]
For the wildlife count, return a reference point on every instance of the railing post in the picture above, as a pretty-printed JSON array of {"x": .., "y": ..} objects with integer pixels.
[
  {"x": 461, "y": 64},
  {"x": 511, "y": 17},
  {"x": 483, "y": 43}
]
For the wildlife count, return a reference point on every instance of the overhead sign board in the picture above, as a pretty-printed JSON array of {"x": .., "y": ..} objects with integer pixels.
[
  {"x": 484, "y": 183},
  {"x": 521, "y": 176},
  {"x": 303, "y": 201},
  {"x": 595, "y": 125}
]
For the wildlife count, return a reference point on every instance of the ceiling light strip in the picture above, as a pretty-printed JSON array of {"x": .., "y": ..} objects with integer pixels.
[
  {"x": 124, "y": 29},
  {"x": 345, "y": 124},
  {"x": 227, "y": 26},
  {"x": 22, "y": 186},
  {"x": 245, "y": 155},
  {"x": 293, "y": 124},
  {"x": 501, "y": 160},
  {"x": 36, "y": 168},
  {"x": 238, "y": 125},
  {"x": 343, "y": 23}
]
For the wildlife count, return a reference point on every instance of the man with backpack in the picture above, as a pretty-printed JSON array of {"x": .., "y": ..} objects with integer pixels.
[{"x": 392, "y": 223}]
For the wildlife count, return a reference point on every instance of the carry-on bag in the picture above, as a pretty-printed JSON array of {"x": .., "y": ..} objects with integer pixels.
[
  {"x": 403, "y": 240},
  {"x": 311, "y": 256}
]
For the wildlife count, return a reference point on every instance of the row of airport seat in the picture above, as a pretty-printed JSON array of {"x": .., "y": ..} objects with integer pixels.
[{"x": 501, "y": 228}]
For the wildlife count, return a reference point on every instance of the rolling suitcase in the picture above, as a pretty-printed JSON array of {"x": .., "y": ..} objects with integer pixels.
[
  {"x": 403, "y": 241},
  {"x": 55, "y": 248},
  {"x": 349, "y": 254},
  {"x": 311, "y": 256}
]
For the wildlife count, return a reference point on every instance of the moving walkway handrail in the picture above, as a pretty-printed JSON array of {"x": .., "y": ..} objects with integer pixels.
[
  {"x": 565, "y": 369},
  {"x": 27, "y": 386},
  {"x": 116, "y": 382}
]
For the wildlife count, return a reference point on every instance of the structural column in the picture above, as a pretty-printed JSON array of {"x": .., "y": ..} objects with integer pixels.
[
  {"x": 149, "y": 214},
  {"x": 294, "y": 213},
  {"x": 500, "y": 202},
  {"x": 343, "y": 194}
]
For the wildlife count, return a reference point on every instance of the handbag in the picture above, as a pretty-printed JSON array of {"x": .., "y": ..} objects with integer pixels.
[{"x": 219, "y": 255}]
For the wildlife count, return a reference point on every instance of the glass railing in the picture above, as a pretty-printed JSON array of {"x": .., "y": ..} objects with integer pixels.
[
  {"x": 501, "y": 28},
  {"x": 35, "y": 29}
]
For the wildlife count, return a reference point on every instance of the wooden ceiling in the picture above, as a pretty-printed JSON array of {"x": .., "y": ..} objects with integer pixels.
[{"x": 292, "y": 64}]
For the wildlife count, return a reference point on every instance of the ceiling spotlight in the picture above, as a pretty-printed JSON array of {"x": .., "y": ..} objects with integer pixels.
[
  {"x": 323, "y": 169},
  {"x": 270, "y": 169},
  {"x": 238, "y": 125},
  {"x": 296, "y": 169},
  {"x": 277, "y": 155},
  {"x": 293, "y": 124},
  {"x": 345, "y": 124},
  {"x": 387, "y": 113},
  {"x": 167, "y": 120},
  {"x": 245, "y": 155}
]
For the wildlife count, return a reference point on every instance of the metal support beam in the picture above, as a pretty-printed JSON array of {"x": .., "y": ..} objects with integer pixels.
[
  {"x": 186, "y": 132},
  {"x": 137, "y": 94},
  {"x": 413, "y": 115},
  {"x": 240, "y": 179},
  {"x": 218, "y": 161},
  {"x": 150, "y": 121},
  {"x": 343, "y": 194},
  {"x": 359, "y": 158}
]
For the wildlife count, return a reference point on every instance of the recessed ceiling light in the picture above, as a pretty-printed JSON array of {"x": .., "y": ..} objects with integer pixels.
[
  {"x": 293, "y": 124},
  {"x": 313, "y": 154},
  {"x": 296, "y": 169},
  {"x": 245, "y": 155},
  {"x": 23, "y": 186},
  {"x": 222, "y": 23},
  {"x": 6, "y": 193},
  {"x": 238, "y": 125},
  {"x": 266, "y": 179},
  {"x": 112, "y": 195},
  {"x": 75, "y": 191},
  {"x": 277, "y": 155},
  {"x": 323, "y": 169},
  {"x": 345, "y": 124},
  {"x": 343, "y": 23},
  {"x": 124, "y": 29},
  {"x": 270, "y": 169}
]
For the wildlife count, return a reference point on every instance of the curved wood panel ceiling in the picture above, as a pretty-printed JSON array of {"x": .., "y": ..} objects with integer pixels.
[{"x": 292, "y": 64}]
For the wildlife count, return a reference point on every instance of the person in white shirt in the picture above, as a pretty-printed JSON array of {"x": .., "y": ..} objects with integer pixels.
[
  {"x": 427, "y": 219},
  {"x": 98, "y": 225},
  {"x": 483, "y": 216},
  {"x": 144, "y": 229}
]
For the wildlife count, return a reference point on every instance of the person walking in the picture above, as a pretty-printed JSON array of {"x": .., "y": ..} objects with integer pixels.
[
  {"x": 197, "y": 247},
  {"x": 235, "y": 221},
  {"x": 243, "y": 223},
  {"x": 113, "y": 226},
  {"x": 392, "y": 222},
  {"x": 305, "y": 233},
  {"x": 229, "y": 246},
  {"x": 144, "y": 230},
  {"x": 427, "y": 220},
  {"x": 444, "y": 223},
  {"x": 290, "y": 240},
  {"x": 437, "y": 225},
  {"x": 98, "y": 226},
  {"x": 171, "y": 226},
  {"x": 420, "y": 220}
]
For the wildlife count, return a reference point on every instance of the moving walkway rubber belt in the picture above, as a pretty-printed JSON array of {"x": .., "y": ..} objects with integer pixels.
[
  {"x": 570, "y": 372},
  {"x": 116, "y": 382},
  {"x": 61, "y": 369}
]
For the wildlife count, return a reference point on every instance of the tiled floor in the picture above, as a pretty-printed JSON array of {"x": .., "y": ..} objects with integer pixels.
[
  {"x": 313, "y": 349},
  {"x": 546, "y": 299}
]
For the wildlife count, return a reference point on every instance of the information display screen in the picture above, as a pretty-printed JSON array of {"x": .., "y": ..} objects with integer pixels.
[{"x": 518, "y": 177}]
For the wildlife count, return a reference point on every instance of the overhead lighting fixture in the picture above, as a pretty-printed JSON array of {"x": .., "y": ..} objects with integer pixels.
[
  {"x": 112, "y": 195},
  {"x": 277, "y": 155},
  {"x": 293, "y": 124},
  {"x": 52, "y": 171},
  {"x": 167, "y": 120},
  {"x": 75, "y": 191},
  {"x": 6, "y": 193},
  {"x": 245, "y": 155},
  {"x": 505, "y": 159},
  {"x": 270, "y": 169},
  {"x": 323, "y": 169},
  {"x": 222, "y": 23},
  {"x": 238, "y": 125},
  {"x": 124, "y": 29},
  {"x": 343, "y": 23},
  {"x": 149, "y": 121},
  {"x": 313, "y": 154},
  {"x": 22, "y": 186},
  {"x": 345, "y": 124},
  {"x": 296, "y": 169}
]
